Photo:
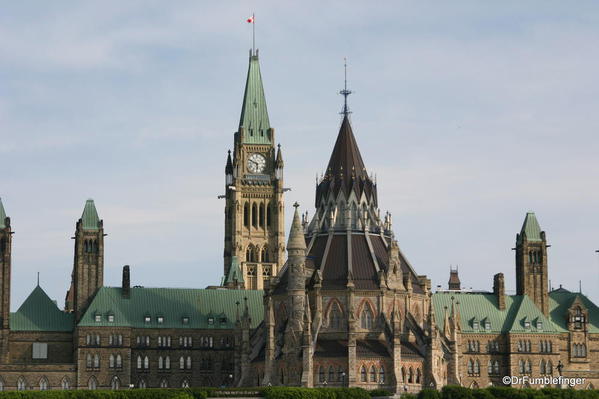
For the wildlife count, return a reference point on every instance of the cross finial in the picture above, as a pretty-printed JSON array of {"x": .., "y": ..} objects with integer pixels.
[
  {"x": 345, "y": 92},
  {"x": 296, "y": 205}
]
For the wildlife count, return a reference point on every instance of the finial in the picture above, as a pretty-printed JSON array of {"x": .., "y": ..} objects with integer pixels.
[
  {"x": 345, "y": 92},
  {"x": 296, "y": 205},
  {"x": 38, "y": 279},
  {"x": 229, "y": 152}
]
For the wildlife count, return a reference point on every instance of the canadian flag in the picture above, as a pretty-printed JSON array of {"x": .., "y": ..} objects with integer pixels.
[{"x": 250, "y": 20}]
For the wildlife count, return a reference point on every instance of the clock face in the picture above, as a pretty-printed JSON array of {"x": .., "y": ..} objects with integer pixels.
[{"x": 256, "y": 163}]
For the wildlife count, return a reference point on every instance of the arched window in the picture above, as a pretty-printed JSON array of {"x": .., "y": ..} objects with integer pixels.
[
  {"x": 88, "y": 340},
  {"x": 335, "y": 316},
  {"x": 181, "y": 363},
  {"x": 470, "y": 367},
  {"x": 254, "y": 215},
  {"x": 43, "y": 384},
  {"x": 119, "y": 361},
  {"x": 142, "y": 383},
  {"x": 382, "y": 375},
  {"x": 320, "y": 374},
  {"x": 363, "y": 377},
  {"x": 490, "y": 368},
  {"x": 528, "y": 367},
  {"x": 111, "y": 361},
  {"x": 549, "y": 368},
  {"x": 96, "y": 361},
  {"x": 98, "y": 339},
  {"x": 262, "y": 216},
  {"x": 189, "y": 362},
  {"x": 268, "y": 215},
  {"x": 496, "y": 367},
  {"x": 92, "y": 383},
  {"x": 530, "y": 256},
  {"x": 340, "y": 375},
  {"x": 403, "y": 375},
  {"x": 372, "y": 374},
  {"x": 411, "y": 376},
  {"x": 88, "y": 362},
  {"x": 167, "y": 362},
  {"x": 264, "y": 257},
  {"x": 184, "y": 384},
  {"x": 115, "y": 383},
  {"x": 146, "y": 363},
  {"x": 65, "y": 384},
  {"x": 550, "y": 349},
  {"x": 164, "y": 383},
  {"x": 21, "y": 384},
  {"x": 246, "y": 215},
  {"x": 476, "y": 367},
  {"x": 331, "y": 374},
  {"x": 120, "y": 340},
  {"x": 521, "y": 366},
  {"x": 160, "y": 364},
  {"x": 139, "y": 362},
  {"x": 542, "y": 367},
  {"x": 366, "y": 318},
  {"x": 419, "y": 374}
]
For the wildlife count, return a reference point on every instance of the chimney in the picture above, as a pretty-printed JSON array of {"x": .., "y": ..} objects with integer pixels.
[
  {"x": 499, "y": 290},
  {"x": 126, "y": 291}
]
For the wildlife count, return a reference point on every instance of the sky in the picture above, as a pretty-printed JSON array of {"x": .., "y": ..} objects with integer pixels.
[{"x": 469, "y": 113}]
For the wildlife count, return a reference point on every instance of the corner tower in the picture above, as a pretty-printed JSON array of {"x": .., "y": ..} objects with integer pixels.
[
  {"x": 5, "y": 269},
  {"x": 254, "y": 210},
  {"x": 531, "y": 263},
  {"x": 88, "y": 264}
]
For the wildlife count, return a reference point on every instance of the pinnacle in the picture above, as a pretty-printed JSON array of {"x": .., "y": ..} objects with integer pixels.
[{"x": 296, "y": 235}]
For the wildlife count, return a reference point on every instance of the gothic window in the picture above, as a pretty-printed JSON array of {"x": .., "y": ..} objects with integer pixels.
[
  {"x": 411, "y": 376},
  {"x": 142, "y": 383},
  {"x": 246, "y": 215},
  {"x": 521, "y": 366},
  {"x": 254, "y": 215},
  {"x": 65, "y": 384},
  {"x": 382, "y": 375},
  {"x": 340, "y": 374},
  {"x": 119, "y": 361},
  {"x": 88, "y": 340},
  {"x": 335, "y": 317},
  {"x": 490, "y": 368},
  {"x": 164, "y": 383},
  {"x": 185, "y": 384},
  {"x": 528, "y": 367},
  {"x": 181, "y": 363},
  {"x": 111, "y": 362},
  {"x": 331, "y": 374},
  {"x": 476, "y": 367},
  {"x": 372, "y": 374},
  {"x": 88, "y": 362},
  {"x": 146, "y": 363},
  {"x": 96, "y": 361},
  {"x": 188, "y": 362},
  {"x": 470, "y": 367},
  {"x": 268, "y": 215},
  {"x": 549, "y": 368},
  {"x": 160, "y": 365},
  {"x": 21, "y": 384},
  {"x": 167, "y": 362},
  {"x": 419, "y": 374},
  {"x": 542, "y": 367},
  {"x": 261, "y": 216},
  {"x": 115, "y": 383},
  {"x": 366, "y": 319},
  {"x": 320, "y": 374},
  {"x": 403, "y": 375},
  {"x": 139, "y": 362},
  {"x": 92, "y": 383},
  {"x": 98, "y": 340},
  {"x": 43, "y": 384},
  {"x": 530, "y": 256},
  {"x": 496, "y": 367}
]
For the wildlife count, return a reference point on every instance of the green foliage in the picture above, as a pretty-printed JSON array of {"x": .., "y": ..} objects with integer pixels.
[
  {"x": 315, "y": 393},
  {"x": 380, "y": 392},
  {"x": 456, "y": 392},
  {"x": 429, "y": 394}
]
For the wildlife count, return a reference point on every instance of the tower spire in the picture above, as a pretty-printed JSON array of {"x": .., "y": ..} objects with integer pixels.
[{"x": 345, "y": 92}]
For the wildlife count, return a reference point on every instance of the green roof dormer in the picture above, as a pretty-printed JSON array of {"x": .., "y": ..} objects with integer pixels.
[
  {"x": 254, "y": 125},
  {"x": 89, "y": 218}
]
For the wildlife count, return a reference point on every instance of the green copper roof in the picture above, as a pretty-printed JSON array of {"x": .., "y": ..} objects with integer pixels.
[
  {"x": 40, "y": 313},
  {"x": 234, "y": 272},
  {"x": 204, "y": 308},
  {"x": 561, "y": 300},
  {"x": 531, "y": 228},
  {"x": 2, "y": 215},
  {"x": 90, "y": 218},
  {"x": 254, "y": 116},
  {"x": 481, "y": 307}
]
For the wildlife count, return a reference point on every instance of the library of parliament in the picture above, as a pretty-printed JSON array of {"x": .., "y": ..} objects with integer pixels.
[{"x": 334, "y": 303}]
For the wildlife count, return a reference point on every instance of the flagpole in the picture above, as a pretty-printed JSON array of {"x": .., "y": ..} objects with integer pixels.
[{"x": 254, "y": 33}]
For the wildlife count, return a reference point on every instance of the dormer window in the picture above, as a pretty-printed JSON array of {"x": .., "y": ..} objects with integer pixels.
[
  {"x": 527, "y": 324},
  {"x": 111, "y": 318},
  {"x": 540, "y": 325},
  {"x": 210, "y": 321},
  {"x": 98, "y": 318},
  {"x": 475, "y": 324},
  {"x": 160, "y": 319},
  {"x": 223, "y": 320},
  {"x": 147, "y": 319},
  {"x": 487, "y": 325},
  {"x": 185, "y": 320}
]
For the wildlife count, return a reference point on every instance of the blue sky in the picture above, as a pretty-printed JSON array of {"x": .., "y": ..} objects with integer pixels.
[{"x": 470, "y": 113}]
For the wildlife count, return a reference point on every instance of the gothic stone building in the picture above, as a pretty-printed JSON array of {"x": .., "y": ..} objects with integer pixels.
[{"x": 338, "y": 305}]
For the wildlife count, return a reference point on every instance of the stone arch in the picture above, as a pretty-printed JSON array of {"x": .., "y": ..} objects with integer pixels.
[
  {"x": 92, "y": 383},
  {"x": 254, "y": 215},
  {"x": 115, "y": 383},
  {"x": 366, "y": 302},
  {"x": 21, "y": 383},
  {"x": 474, "y": 385},
  {"x": 65, "y": 383},
  {"x": 44, "y": 385},
  {"x": 246, "y": 214}
]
